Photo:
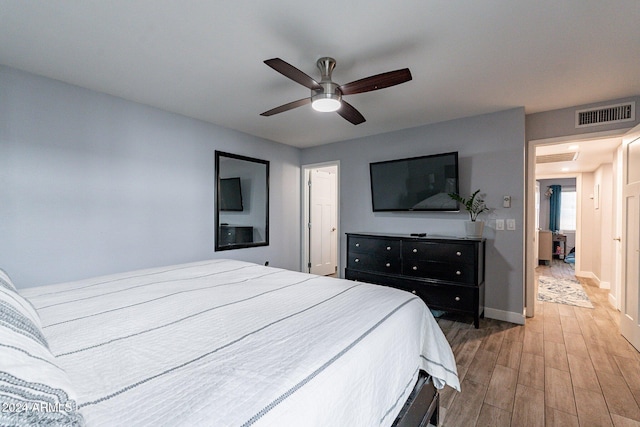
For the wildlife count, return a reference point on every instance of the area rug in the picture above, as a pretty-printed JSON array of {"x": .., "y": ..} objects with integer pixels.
[{"x": 562, "y": 291}]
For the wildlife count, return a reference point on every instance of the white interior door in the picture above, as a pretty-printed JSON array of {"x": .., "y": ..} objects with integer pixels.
[
  {"x": 322, "y": 223},
  {"x": 630, "y": 296}
]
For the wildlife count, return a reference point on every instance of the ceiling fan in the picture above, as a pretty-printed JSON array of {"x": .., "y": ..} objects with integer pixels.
[{"x": 326, "y": 96}]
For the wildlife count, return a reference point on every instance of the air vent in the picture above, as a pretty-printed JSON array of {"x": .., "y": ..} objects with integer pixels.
[
  {"x": 606, "y": 115},
  {"x": 555, "y": 158}
]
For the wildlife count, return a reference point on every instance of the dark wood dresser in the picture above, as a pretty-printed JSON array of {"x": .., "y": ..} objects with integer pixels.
[
  {"x": 233, "y": 234},
  {"x": 447, "y": 273}
]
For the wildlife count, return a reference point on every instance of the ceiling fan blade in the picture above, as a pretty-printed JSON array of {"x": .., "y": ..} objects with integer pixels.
[
  {"x": 287, "y": 107},
  {"x": 379, "y": 81},
  {"x": 292, "y": 72},
  {"x": 348, "y": 112}
]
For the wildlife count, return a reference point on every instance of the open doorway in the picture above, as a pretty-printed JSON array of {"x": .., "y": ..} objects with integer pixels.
[
  {"x": 321, "y": 218},
  {"x": 557, "y": 223},
  {"x": 591, "y": 161}
]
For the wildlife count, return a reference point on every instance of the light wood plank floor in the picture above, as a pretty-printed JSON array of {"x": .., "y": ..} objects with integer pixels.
[{"x": 567, "y": 366}]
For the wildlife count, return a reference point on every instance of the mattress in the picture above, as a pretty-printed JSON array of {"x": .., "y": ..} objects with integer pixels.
[{"x": 225, "y": 342}]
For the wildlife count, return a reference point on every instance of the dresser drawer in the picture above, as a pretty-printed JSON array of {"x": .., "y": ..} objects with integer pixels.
[
  {"x": 386, "y": 248},
  {"x": 459, "y": 273},
  {"x": 451, "y": 297},
  {"x": 372, "y": 262},
  {"x": 439, "y": 252}
]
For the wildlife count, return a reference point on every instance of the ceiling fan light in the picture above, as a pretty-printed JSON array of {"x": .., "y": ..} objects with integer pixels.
[{"x": 326, "y": 105}]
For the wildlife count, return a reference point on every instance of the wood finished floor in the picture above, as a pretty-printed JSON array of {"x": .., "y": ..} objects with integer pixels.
[{"x": 567, "y": 366}]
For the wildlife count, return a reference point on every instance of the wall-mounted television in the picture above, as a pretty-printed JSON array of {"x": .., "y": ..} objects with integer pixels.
[
  {"x": 230, "y": 194},
  {"x": 415, "y": 184}
]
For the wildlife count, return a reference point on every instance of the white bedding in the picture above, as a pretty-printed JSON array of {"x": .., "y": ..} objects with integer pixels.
[{"x": 225, "y": 342}]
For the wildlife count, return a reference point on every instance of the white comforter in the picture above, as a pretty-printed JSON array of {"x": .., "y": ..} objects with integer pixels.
[{"x": 230, "y": 343}]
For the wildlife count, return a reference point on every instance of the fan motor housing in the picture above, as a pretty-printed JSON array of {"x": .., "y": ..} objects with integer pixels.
[{"x": 328, "y": 90}]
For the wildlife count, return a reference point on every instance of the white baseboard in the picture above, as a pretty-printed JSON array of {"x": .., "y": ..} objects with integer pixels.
[
  {"x": 585, "y": 274},
  {"x": 505, "y": 316},
  {"x": 613, "y": 301},
  {"x": 590, "y": 275}
]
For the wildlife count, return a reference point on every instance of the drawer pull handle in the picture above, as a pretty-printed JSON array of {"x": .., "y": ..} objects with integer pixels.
[
  {"x": 357, "y": 259},
  {"x": 458, "y": 253},
  {"x": 457, "y": 298},
  {"x": 388, "y": 264},
  {"x": 415, "y": 251},
  {"x": 357, "y": 245},
  {"x": 413, "y": 292},
  {"x": 415, "y": 268},
  {"x": 458, "y": 272},
  {"x": 388, "y": 248}
]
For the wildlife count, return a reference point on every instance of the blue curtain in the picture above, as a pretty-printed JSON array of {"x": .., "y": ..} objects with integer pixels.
[{"x": 554, "y": 208}]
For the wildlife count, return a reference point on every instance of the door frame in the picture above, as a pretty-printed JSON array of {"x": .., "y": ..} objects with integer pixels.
[
  {"x": 615, "y": 297},
  {"x": 304, "y": 231},
  {"x": 530, "y": 232},
  {"x": 629, "y": 328}
]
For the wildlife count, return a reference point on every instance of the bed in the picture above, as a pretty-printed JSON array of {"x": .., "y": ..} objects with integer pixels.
[
  {"x": 220, "y": 342},
  {"x": 439, "y": 201}
]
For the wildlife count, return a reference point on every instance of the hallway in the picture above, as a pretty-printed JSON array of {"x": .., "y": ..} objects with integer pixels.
[{"x": 567, "y": 366}]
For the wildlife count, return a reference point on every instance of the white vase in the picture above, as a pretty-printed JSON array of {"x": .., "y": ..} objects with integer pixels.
[{"x": 474, "y": 229}]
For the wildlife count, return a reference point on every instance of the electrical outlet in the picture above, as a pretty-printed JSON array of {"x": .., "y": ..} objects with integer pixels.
[
  {"x": 499, "y": 224},
  {"x": 511, "y": 224}
]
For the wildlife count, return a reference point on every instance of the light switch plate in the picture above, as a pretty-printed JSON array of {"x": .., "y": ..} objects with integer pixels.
[
  {"x": 506, "y": 201},
  {"x": 511, "y": 224},
  {"x": 499, "y": 224}
]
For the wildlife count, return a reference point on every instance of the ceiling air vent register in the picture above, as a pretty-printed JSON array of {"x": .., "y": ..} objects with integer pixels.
[
  {"x": 555, "y": 158},
  {"x": 606, "y": 115}
]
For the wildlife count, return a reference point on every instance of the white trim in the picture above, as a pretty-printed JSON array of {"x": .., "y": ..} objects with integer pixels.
[
  {"x": 580, "y": 137},
  {"x": 505, "y": 316},
  {"x": 586, "y": 275},
  {"x": 530, "y": 231},
  {"x": 613, "y": 301},
  {"x": 591, "y": 275}
]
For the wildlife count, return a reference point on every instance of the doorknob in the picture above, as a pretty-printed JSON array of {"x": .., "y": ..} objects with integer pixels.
[
  {"x": 617, "y": 238},
  {"x": 333, "y": 229}
]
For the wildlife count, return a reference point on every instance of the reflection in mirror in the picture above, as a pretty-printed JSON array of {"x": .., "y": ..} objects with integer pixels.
[{"x": 242, "y": 202}]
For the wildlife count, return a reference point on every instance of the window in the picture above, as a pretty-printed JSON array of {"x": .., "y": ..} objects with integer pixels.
[{"x": 568, "y": 210}]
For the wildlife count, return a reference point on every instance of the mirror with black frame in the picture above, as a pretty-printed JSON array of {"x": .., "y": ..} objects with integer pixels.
[{"x": 242, "y": 202}]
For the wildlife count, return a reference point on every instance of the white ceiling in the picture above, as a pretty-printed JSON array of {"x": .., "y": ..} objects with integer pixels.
[
  {"x": 204, "y": 59},
  {"x": 590, "y": 155}
]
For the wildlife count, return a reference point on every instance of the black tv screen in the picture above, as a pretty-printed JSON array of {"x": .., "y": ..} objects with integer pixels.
[
  {"x": 415, "y": 184},
  {"x": 230, "y": 194}
]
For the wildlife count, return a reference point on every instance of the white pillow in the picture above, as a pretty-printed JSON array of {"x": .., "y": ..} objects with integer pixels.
[{"x": 34, "y": 390}]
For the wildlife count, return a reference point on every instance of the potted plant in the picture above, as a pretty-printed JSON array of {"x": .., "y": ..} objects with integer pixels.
[{"x": 475, "y": 206}]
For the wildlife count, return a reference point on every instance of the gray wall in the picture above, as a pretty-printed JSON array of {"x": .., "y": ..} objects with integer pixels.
[
  {"x": 92, "y": 184},
  {"x": 491, "y": 150}
]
